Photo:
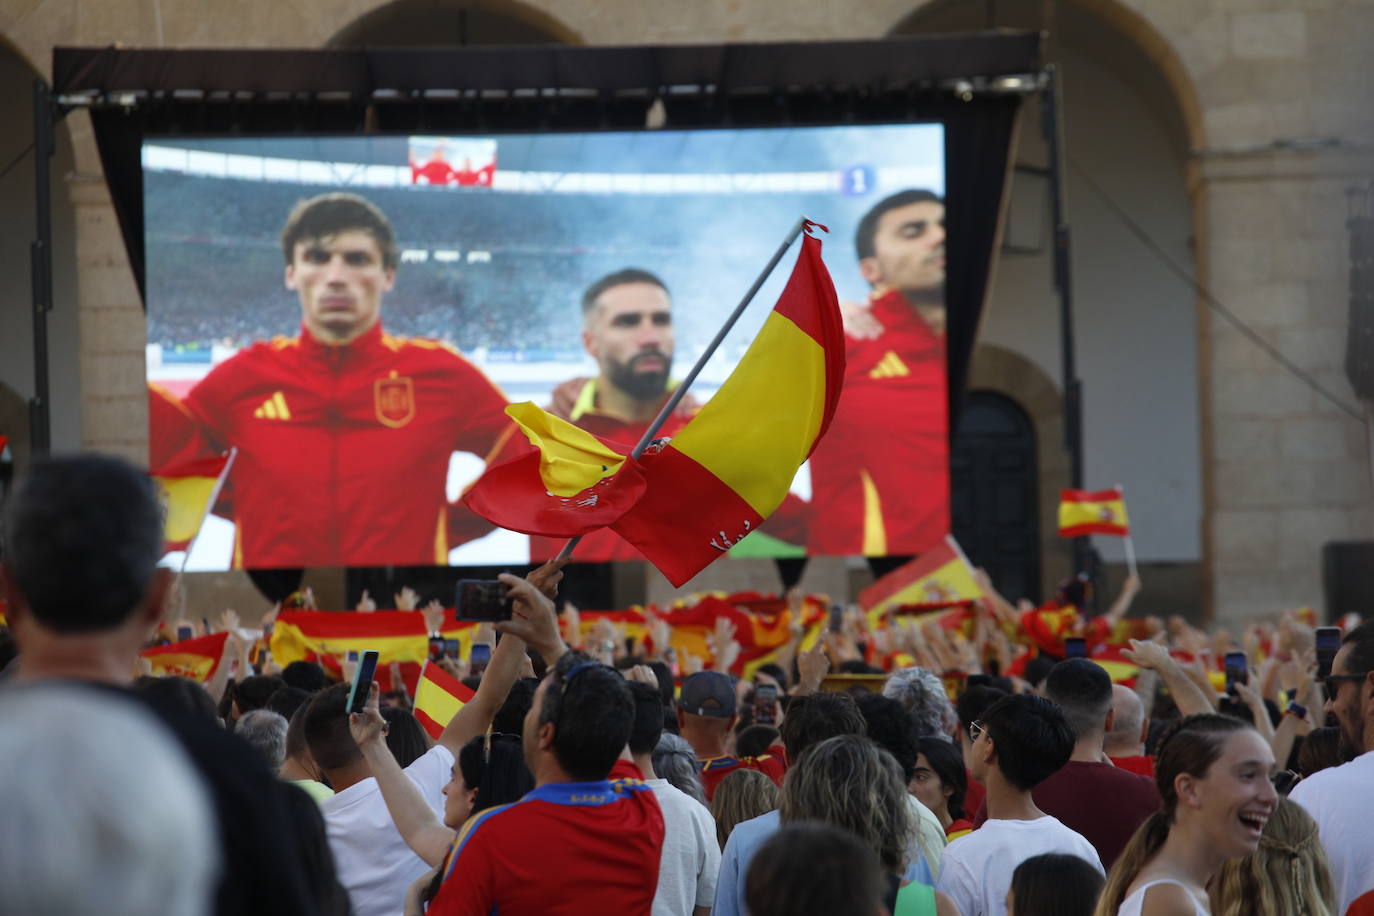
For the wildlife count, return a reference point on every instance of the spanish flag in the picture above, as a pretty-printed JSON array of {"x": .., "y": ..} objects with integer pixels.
[
  {"x": 723, "y": 473},
  {"x": 937, "y": 578},
  {"x": 1084, "y": 512},
  {"x": 187, "y": 490},
  {"x": 569, "y": 484},
  {"x": 438, "y": 696},
  {"x": 194, "y": 658},
  {"x": 398, "y": 636}
]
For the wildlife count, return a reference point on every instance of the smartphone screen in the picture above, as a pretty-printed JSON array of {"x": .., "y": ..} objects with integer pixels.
[
  {"x": 362, "y": 680},
  {"x": 1236, "y": 670},
  {"x": 1328, "y": 644},
  {"x": 1075, "y": 647},
  {"x": 436, "y": 647},
  {"x": 352, "y": 655},
  {"x": 482, "y": 599},
  {"x": 478, "y": 658},
  {"x": 765, "y": 697},
  {"x": 836, "y": 618},
  {"x": 185, "y": 632},
  {"x": 451, "y": 648}
]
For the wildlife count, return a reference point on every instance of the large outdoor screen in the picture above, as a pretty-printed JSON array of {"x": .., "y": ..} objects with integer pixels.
[{"x": 350, "y": 315}]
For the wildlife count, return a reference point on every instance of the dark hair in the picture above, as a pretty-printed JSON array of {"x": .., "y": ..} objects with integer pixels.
[
  {"x": 295, "y": 731},
  {"x": 496, "y": 768},
  {"x": 947, "y": 761},
  {"x": 775, "y": 672},
  {"x": 619, "y": 278},
  {"x": 326, "y": 729},
  {"x": 648, "y": 721},
  {"x": 181, "y": 694},
  {"x": 254, "y": 691},
  {"x": 329, "y": 214},
  {"x": 315, "y": 862},
  {"x": 1082, "y": 689},
  {"x": 286, "y": 701},
  {"x": 591, "y": 710},
  {"x": 1361, "y": 642},
  {"x": 814, "y": 717},
  {"x": 405, "y": 736},
  {"x": 304, "y": 675},
  {"x": 868, "y": 225},
  {"x": 755, "y": 740},
  {"x": 510, "y": 718},
  {"x": 1321, "y": 748},
  {"x": 811, "y": 869},
  {"x": 972, "y": 703},
  {"x": 1055, "y": 882},
  {"x": 1188, "y": 745},
  {"x": 666, "y": 689},
  {"x": 82, "y": 535},
  {"x": 1037, "y": 669},
  {"x": 1032, "y": 738},
  {"x": 890, "y": 728}
]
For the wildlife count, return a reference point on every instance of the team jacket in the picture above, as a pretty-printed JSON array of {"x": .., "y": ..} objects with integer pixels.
[
  {"x": 880, "y": 477},
  {"x": 344, "y": 451}
]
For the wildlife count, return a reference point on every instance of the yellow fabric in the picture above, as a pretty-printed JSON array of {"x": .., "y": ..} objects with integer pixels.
[
  {"x": 1108, "y": 512},
  {"x": 187, "y": 499},
  {"x": 875, "y": 533},
  {"x": 759, "y": 427},
  {"x": 434, "y": 701},
  {"x": 570, "y": 459},
  {"x": 950, "y": 583}
]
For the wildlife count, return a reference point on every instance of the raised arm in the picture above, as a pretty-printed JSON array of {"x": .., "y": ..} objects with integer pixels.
[
  {"x": 474, "y": 718},
  {"x": 415, "y": 820},
  {"x": 1188, "y": 697},
  {"x": 1129, "y": 589}
]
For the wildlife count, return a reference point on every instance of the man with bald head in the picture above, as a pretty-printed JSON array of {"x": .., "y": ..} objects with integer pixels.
[{"x": 1125, "y": 740}]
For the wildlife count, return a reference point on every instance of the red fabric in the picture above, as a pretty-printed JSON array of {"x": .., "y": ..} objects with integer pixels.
[
  {"x": 513, "y": 495},
  {"x": 1144, "y": 765},
  {"x": 974, "y": 797},
  {"x": 626, "y": 769},
  {"x": 896, "y": 429},
  {"x": 565, "y": 848},
  {"x": 958, "y": 826},
  {"x": 351, "y": 478},
  {"x": 717, "y": 768}
]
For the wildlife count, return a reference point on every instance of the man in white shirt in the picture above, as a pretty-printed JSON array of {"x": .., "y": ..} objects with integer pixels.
[
  {"x": 372, "y": 859},
  {"x": 1019, "y": 741},
  {"x": 691, "y": 856},
  {"x": 1341, "y": 799}
]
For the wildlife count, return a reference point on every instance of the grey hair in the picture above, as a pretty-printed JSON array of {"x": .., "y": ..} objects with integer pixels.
[
  {"x": 675, "y": 761},
  {"x": 1128, "y": 718},
  {"x": 103, "y": 811},
  {"x": 922, "y": 694},
  {"x": 265, "y": 730}
]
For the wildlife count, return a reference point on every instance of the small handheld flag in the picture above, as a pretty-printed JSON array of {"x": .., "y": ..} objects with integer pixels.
[
  {"x": 1083, "y": 512},
  {"x": 438, "y": 696}
]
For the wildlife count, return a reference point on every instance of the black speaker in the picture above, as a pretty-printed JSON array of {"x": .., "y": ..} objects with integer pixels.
[
  {"x": 1348, "y": 578},
  {"x": 1359, "y": 342}
]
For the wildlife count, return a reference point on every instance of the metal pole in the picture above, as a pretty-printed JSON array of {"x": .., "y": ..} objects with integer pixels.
[
  {"x": 40, "y": 270},
  {"x": 1053, "y": 128}
]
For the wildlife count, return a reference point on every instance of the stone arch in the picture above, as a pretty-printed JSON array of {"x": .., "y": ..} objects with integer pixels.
[
  {"x": 1012, "y": 375},
  {"x": 419, "y": 23}
]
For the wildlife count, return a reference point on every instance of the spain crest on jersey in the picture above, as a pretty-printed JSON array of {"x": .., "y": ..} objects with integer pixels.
[{"x": 395, "y": 400}]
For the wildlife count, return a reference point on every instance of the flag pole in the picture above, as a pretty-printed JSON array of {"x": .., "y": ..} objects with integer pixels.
[
  {"x": 209, "y": 504},
  {"x": 1128, "y": 543},
  {"x": 676, "y": 397}
]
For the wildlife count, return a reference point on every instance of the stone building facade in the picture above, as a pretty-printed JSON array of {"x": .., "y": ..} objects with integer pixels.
[{"x": 1228, "y": 131}]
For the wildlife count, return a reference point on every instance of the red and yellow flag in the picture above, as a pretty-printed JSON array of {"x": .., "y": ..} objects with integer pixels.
[
  {"x": 194, "y": 658},
  {"x": 569, "y": 484},
  {"x": 398, "y": 636},
  {"x": 1092, "y": 512},
  {"x": 438, "y": 696},
  {"x": 726, "y": 471},
  {"x": 937, "y": 578},
  {"x": 186, "y": 491}
]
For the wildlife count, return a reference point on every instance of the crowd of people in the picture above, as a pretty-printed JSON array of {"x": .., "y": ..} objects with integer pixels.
[{"x": 589, "y": 774}]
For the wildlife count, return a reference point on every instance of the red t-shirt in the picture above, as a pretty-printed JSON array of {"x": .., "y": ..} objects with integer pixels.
[
  {"x": 565, "y": 848},
  {"x": 880, "y": 477},
  {"x": 714, "y": 769},
  {"x": 1144, "y": 765},
  {"x": 344, "y": 451}
]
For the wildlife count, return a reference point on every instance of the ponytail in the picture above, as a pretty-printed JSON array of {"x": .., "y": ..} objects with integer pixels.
[{"x": 1144, "y": 843}]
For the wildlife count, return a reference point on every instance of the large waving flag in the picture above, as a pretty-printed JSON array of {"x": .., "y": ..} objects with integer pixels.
[
  {"x": 188, "y": 490},
  {"x": 194, "y": 658},
  {"x": 937, "y": 578},
  {"x": 1092, "y": 512},
  {"x": 570, "y": 484},
  {"x": 725, "y": 471},
  {"x": 325, "y": 636},
  {"x": 438, "y": 696}
]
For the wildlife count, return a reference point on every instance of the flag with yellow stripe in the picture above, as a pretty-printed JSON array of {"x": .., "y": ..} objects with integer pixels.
[
  {"x": 438, "y": 697},
  {"x": 195, "y": 658},
  {"x": 398, "y": 636},
  {"x": 186, "y": 493},
  {"x": 726, "y": 471},
  {"x": 937, "y": 578},
  {"x": 1083, "y": 512}
]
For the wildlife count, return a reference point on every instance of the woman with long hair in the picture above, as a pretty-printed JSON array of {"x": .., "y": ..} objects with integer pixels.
[
  {"x": 1213, "y": 775},
  {"x": 1287, "y": 876},
  {"x": 849, "y": 782},
  {"x": 741, "y": 796},
  {"x": 940, "y": 781}
]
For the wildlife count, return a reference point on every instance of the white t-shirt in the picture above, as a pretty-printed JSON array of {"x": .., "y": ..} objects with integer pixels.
[
  {"x": 1135, "y": 902},
  {"x": 373, "y": 861},
  {"x": 691, "y": 855},
  {"x": 1341, "y": 801},
  {"x": 976, "y": 869}
]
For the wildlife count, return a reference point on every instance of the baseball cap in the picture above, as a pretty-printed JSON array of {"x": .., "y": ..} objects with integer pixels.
[{"x": 708, "y": 693}]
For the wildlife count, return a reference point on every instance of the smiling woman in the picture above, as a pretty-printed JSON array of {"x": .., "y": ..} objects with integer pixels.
[{"x": 1213, "y": 774}]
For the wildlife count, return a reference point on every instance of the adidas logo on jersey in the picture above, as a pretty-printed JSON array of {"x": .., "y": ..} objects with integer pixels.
[
  {"x": 274, "y": 408},
  {"x": 890, "y": 366}
]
